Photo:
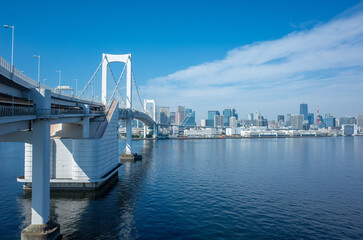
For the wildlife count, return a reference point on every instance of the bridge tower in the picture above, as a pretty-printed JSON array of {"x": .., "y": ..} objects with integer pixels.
[
  {"x": 123, "y": 58},
  {"x": 152, "y": 115}
]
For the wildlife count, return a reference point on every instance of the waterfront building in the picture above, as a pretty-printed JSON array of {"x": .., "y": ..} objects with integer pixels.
[
  {"x": 304, "y": 110},
  {"x": 179, "y": 114},
  {"x": 172, "y": 118},
  {"x": 297, "y": 121},
  {"x": 232, "y": 122},
  {"x": 164, "y": 115},
  {"x": 218, "y": 120},
  {"x": 233, "y": 131},
  {"x": 211, "y": 115},
  {"x": 203, "y": 122},
  {"x": 206, "y": 132},
  {"x": 280, "y": 118},
  {"x": 348, "y": 129}
]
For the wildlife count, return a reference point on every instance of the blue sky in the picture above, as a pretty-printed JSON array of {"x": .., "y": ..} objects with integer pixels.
[{"x": 250, "y": 55}]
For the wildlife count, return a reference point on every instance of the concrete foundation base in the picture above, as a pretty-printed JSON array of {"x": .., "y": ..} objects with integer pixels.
[
  {"x": 129, "y": 157},
  {"x": 49, "y": 231},
  {"x": 74, "y": 185}
]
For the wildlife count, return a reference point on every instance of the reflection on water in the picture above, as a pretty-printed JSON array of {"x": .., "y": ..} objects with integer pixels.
[{"x": 308, "y": 188}]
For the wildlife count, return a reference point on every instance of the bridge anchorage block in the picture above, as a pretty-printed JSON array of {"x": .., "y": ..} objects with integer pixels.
[
  {"x": 124, "y": 157},
  {"x": 48, "y": 231}
]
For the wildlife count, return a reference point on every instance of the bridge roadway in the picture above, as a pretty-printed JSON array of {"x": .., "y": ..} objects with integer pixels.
[{"x": 27, "y": 110}]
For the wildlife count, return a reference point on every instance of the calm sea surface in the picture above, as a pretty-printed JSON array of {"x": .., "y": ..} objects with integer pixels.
[{"x": 301, "y": 188}]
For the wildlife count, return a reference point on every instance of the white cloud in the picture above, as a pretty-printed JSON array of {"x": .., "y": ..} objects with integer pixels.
[{"x": 322, "y": 65}]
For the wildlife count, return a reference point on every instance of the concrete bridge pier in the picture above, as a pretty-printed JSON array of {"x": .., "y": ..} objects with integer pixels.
[
  {"x": 128, "y": 155},
  {"x": 41, "y": 227},
  {"x": 145, "y": 131},
  {"x": 128, "y": 148},
  {"x": 155, "y": 131}
]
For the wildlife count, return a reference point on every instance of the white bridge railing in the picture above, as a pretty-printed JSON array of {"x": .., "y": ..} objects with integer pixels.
[{"x": 7, "y": 66}]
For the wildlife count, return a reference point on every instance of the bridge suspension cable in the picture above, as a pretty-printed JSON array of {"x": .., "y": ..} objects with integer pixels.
[
  {"x": 88, "y": 83},
  {"x": 118, "y": 82},
  {"x": 137, "y": 91},
  {"x": 114, "y": 80}
]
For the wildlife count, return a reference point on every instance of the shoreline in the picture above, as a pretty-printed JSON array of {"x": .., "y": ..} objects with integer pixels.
[{"x": 264, "y": 137}]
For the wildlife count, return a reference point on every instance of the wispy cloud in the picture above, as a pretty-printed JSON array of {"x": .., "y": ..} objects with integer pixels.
[{"x": 322, "y": 65}]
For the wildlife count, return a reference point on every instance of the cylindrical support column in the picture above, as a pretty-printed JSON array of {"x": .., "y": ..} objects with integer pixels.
[
  {"x": 128, "y": 148},
  {"x": 155, "y": 131},
  {"x": 41, "y": 173},
  {"x": 145, "y": 131}
]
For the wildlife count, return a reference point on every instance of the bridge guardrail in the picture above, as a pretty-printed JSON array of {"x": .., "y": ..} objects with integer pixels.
[
  {"x": 5, "y": 64},
  {"x": 57, "y": 111},
  {"x": 7, "y": 111}
]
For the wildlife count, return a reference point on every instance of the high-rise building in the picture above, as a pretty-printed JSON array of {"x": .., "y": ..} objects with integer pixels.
[
  {"x": 189, "y": 119},
  {"x": 360, "y": 121},
  {"x": 306, "y": 125},
  {"x": 329, "y": 121},
  {"x": 304, "y": 110},
  {"x": 348, "y": 120},
  {"x": 227, "y": 113},
  {"x": 218, "y": 120},
  {"x": 232, "y": 122},
  {"x": 164, "y": 115},
  {"x": 320, "y": 121},
  {"x": 280, "y": 118},
  {"x": 210, "y": 122},
  {"x": 256, "y": 115},
  {"x": 203, "y": 122},
  {"x": 172, "y": 118},
  {"x": 179, "y": 115},
  {"x": 311, "y": 118},
  {"x": 250, "y": 116},
  {"x": 288, "y": 119},
  {"x": 234, "y": 113},
  {"x": 261, "y": 121},
  {"x": 297, "y": 121}
]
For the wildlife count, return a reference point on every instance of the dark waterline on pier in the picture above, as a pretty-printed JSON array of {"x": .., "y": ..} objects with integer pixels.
[{"x": 310, "y": 188}]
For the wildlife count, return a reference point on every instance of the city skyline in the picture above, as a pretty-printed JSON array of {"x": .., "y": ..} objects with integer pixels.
[{"x": 311, "y": 57}]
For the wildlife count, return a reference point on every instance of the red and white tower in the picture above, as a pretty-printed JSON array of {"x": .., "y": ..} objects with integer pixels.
[{"x": 317, "y": 116}]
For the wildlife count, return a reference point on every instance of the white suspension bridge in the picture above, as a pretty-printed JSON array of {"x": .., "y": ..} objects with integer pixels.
[{"x": 71, "y": 142}]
